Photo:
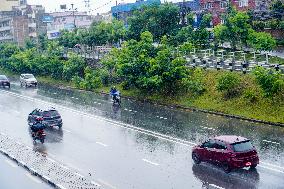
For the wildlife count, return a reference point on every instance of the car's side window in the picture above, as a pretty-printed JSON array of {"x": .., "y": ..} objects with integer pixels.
[
  {"x": 208, "y": 144},
  {"x": 220, "y": 145}
]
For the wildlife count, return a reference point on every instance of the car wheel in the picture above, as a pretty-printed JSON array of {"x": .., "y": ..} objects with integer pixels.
[
  {"x": 26, "y": 85},
  {"x": 42, "y": 141},
  {"x": 196, "y": 158},
  {"x": 226, "y": 167}
]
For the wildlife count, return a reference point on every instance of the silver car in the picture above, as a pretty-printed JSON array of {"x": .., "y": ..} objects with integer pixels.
[{"x": 28, "y": 80}]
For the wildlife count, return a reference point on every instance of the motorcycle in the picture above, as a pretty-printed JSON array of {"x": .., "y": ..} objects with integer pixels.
[
  {"x": 116, "y": 98},
  {"x": 39, "y": 135}
]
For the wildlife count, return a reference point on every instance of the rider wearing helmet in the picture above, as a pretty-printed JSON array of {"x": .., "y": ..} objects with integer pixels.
[
  {"x": 37, "y": 125},
  {"x": 114, "y": 93}
]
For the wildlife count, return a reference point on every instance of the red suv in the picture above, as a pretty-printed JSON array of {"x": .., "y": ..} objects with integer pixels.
[{"x": 230, "y": 152}]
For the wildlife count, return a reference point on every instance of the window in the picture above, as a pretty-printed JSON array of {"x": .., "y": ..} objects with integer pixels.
[
  {"x": 243, "y": 3},
  {"x": 208, "y": 144},
  {"x": 208, "y": 5},
  {"x": 242, "y": 146},
  {"x": 223, "y": 5}
]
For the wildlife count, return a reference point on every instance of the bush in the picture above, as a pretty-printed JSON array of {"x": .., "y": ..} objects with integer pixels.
[
  {"x": 195, "y": 83},
  {"x": 229, "y": 84},
  {"x": 251, "y": 95},
  {"x": 272, "y": 82}
]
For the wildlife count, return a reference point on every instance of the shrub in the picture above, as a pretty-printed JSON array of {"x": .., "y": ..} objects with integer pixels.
[
  {"x": 251, "y": 95},
  {"x": 229, "y": 84},
  {"x": 272, "y": 82},
  {"x": 195, "y": 83}
]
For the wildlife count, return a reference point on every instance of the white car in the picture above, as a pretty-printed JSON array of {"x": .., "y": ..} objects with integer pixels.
[{"x": 28, "y": 80}]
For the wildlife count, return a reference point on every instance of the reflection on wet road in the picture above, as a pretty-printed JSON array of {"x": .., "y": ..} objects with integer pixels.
[{"x": 139, "y": 145}]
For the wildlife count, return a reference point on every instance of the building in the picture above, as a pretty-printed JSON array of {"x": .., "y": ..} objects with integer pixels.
[
  {"x": 262, "y": 5},
  {"x": 68, "y": 20},
  {"x": 103, "y": 17},
  {"x": 219, "y": 7},
  {"x": 192, "y": 6},
  {"x": 123, "y": 11},
  {"x": 20, "y": 23},
  {"x": 7, "y": 5}
]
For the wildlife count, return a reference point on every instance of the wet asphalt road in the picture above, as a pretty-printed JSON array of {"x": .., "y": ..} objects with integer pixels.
[
  {"x": 14, "y": 177},
  {"x": 139, "y": 145}
]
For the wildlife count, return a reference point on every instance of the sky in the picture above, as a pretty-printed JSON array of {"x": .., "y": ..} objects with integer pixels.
[{"x": 96, "y": 6}]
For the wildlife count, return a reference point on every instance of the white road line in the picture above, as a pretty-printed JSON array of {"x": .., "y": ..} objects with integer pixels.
[
  {"x": 215, "y": 186},
  {"x": 271, "y": 168},
  {"x": 272, "y": 165},
  {"x": 123, "y": 125},
  {"x": 106, "y": 184},
  {"x": 66, "y": 130},
  {"x": 268, "y": 141},
  {"x": 12, "y": 164},
  {"x": 16, "y": 111},
  {"x": 102, "y": 144},
  {"x": 33, "y": 178},
  {"x": 152, "y": 163}
]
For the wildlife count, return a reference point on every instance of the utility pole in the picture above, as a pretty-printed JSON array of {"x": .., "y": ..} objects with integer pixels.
[{"x": 73, "y": 13}]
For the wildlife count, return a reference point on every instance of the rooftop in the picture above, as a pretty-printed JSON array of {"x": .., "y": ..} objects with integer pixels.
[{"x": 230, "y": 138}]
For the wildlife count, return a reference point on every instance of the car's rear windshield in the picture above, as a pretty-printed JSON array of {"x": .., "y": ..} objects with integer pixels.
[
  {"x": 28, "y": 76},
  {"x": 242, "y": 146},
  {"x": 50, "y": 113},
  {"x": 3, "y": 77}
]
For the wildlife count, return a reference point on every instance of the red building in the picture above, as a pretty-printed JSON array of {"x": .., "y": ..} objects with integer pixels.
[{"x": 218, "y": 7}]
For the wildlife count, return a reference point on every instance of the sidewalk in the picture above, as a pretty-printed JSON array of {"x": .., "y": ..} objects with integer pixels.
[{"x": 13, "y": 176}]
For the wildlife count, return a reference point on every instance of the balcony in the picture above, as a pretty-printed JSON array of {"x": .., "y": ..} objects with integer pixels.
[
  {"x": 5, "y": 28},
  {"x": 9, "y": 37}
]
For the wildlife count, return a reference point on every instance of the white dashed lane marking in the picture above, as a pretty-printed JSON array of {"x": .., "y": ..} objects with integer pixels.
[
  {"x": 215, "y": 186},
  {"x": 150, "y": 162},
  {"x": 102, "y": 144},
  {"x": 66, "y": 130},
  {"x": 106, "y": 184},
  {"x": 268, "y": 141}
]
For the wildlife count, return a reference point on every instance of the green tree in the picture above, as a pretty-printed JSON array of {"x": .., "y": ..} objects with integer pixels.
[
  {"x": 277, "y": 9},
  {"x": 29, "y": 43},
  {"x": 74, "y": 66},
  {"x": 236, "y": 29},
  {"x": 202, "y": 35},
  {"x": 160, "y": 20},
  {"x": 103, "y": 33},
  {"x": 69, "y": 38}
]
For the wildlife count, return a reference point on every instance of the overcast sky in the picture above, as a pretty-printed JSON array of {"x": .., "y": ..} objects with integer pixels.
[{"x": 97, "y": 6}]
